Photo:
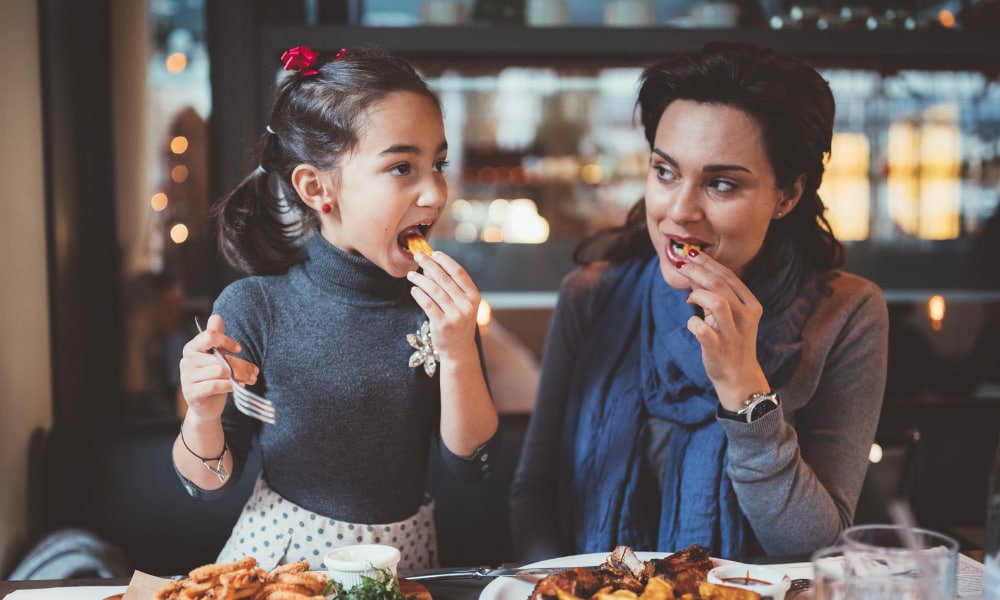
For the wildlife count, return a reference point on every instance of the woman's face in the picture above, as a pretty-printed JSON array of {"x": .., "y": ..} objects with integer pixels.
[
  {"x": 392, "y": 183},
  {"x": 710, "y": 184}
]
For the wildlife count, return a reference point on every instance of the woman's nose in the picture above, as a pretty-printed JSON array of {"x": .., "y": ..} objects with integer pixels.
[{"x": 685, "y": 205}]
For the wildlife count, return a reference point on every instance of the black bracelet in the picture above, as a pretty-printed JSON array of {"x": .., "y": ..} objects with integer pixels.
[{"x": 225, "y": 447}]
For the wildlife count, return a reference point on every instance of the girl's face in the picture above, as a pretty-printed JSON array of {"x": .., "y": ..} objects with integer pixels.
[
  {"x": 710, "y": 184},
  {"x": 392, "y": 183}
]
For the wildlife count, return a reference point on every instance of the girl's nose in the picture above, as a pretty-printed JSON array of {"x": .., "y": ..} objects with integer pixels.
[{"x": 434, "y": 194}]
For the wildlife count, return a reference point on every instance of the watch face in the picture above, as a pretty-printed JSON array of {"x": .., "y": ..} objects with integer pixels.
[{"x": 762, "y": 408}]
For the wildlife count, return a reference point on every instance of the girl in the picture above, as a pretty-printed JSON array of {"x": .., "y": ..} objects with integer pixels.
[
  {"x": 710, "y": 377},
  {"x": 353, "y": 162}
]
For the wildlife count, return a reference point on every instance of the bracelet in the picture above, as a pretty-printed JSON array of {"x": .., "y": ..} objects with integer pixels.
[{"x": 219, "y": 469}]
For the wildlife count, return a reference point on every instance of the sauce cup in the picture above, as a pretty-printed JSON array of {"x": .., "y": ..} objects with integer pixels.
[
  {"x": 348, "y": 564},
  {"x": 767, "y": 581}
]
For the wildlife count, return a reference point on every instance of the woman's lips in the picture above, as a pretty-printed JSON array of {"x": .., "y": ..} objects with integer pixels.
[{"x": 677, "y": 249}]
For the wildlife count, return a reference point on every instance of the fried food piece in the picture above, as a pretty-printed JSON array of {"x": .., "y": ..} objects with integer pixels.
[
  {"x": 211, "y": 571},
  {"x": 418, "y": 243},
  {"x": 684, "y": 569},
  {"x": 294, "y": 596},
  {"x": 295, "y": 567},
  {"x": 689, "y": 247},
  {"x": 578, "y": 582},
  {"x": 712, "y": 591},
  {"x": 169, "y": 591},
  {"x": 657, "y": 588}
]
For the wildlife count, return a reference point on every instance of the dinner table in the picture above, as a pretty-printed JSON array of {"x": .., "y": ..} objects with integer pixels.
[{"x": 969, "y": 579}]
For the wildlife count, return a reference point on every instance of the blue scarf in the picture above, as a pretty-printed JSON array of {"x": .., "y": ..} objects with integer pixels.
[{"x": 639, "y": 360}]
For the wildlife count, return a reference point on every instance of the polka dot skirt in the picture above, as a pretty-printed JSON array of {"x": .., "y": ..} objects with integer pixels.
[{"x": 275, "y": 532}]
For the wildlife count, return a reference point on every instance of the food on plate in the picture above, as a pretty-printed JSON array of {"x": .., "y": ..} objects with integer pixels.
[
  {"x": 680, "y": 576},
  {"x": 383, "y": 586},
  {"x": 418, "y": 243},
  {"x": 242, "y": 580}
]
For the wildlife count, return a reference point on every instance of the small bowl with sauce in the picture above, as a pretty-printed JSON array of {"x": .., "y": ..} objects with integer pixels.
[
  {"x": 348, "y": 564},
  {"x": 767, "y": 581}
]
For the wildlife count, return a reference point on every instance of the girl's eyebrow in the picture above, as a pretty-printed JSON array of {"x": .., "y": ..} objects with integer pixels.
[
  {"x": 410, "y": 149},
  {"x": 706, "y": 168}
]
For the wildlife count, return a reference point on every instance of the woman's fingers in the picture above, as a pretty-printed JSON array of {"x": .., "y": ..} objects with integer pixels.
[
  {"x": 711, "y": 274},
  {"x": 718, "y": 311}
]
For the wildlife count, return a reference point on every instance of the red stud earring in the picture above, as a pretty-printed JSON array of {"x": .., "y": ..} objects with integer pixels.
[{"x": 327, "y": 208}]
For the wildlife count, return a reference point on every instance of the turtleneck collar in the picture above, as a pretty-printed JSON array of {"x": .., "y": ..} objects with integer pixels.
[{"x": 353, "y": 278}]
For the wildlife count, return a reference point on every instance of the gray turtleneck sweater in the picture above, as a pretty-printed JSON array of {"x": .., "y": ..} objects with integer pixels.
[{"x": 354, "y": 421}]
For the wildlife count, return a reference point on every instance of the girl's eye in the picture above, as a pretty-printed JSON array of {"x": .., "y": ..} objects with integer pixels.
[
  {"x": 441, "y": 165},
  {"x": 664, "y": 172},
  {"x": 400, "y": 169},
  {"x": 723, "y": 185}
]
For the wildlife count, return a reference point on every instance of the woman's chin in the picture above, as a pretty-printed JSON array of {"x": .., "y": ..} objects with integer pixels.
[{"x": 673, "y": 278}]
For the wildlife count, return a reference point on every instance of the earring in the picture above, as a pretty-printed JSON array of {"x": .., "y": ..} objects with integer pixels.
[
  {"x": 778, "y": 215},
  {"x": 327, "y": 208}
]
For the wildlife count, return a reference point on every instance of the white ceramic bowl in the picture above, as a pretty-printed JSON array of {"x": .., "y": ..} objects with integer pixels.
[
  {"x": 766, "y": 581},
  {"x": 348, "y": 563}
]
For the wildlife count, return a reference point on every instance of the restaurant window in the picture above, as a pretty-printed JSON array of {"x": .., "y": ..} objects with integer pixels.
[{"x": 168, "y": 266}]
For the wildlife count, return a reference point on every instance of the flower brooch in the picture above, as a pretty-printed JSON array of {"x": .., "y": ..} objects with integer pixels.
[{"x": 425, "y": 354}]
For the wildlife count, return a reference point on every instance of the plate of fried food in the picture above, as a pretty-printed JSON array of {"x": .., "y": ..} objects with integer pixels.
[
  {"x": 243, "y": 580},
  {"x": 623, "y": 575}
]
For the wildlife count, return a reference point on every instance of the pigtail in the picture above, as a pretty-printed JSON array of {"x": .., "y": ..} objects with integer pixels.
[{"x": 255, "y": 234}]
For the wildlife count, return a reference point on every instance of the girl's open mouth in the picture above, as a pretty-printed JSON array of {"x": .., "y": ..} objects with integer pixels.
[{"x": 415, "y": 237}]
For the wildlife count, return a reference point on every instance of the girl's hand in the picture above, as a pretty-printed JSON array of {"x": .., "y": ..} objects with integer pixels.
[
  {"x": 450, "y": 299},
  {"x": 728, "y": 332},
  {"x": 204, "y": 380}
]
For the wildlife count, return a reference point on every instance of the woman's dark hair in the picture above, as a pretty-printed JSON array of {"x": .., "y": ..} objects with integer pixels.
[
  {"x": 315, "y": 119},
  {"x": 794, "y": 108}
]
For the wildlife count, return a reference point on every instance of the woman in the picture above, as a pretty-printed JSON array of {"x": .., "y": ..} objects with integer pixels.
[{"x": 710, "y": 376}]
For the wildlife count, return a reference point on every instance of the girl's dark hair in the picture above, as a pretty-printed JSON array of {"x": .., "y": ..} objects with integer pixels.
[
  {"x": 793, "y": 106},
  {"x": 315, "y": 119}
]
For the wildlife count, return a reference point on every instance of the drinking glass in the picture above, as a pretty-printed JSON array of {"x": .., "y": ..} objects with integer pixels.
[
  {"x": 840, "y": 573},
  {"x": 882, "y": 550}
]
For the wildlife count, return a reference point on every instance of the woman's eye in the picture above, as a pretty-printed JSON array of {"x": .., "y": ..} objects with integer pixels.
[
  {"x": 400, "y": 169},
  {"x": 663, "y": 172},
  {"x": 723, "y": 185},
  {"x": 441, "y": 165}
]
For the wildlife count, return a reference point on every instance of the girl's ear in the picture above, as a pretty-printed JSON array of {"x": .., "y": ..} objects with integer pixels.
[
  {"x": 313, "y": 186},
  {"x": 790, "y": 197}
]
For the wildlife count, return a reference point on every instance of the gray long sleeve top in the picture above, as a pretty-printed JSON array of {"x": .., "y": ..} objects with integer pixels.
[
  {"x": 354, "y": 420},
  {"x": 797, "y": 471}
]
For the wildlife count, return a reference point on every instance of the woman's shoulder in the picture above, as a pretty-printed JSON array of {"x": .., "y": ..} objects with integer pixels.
[{"x": 845, "y": 294}]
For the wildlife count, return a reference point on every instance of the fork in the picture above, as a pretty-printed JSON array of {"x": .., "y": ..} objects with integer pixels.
[{"x": 247, "y": 402}]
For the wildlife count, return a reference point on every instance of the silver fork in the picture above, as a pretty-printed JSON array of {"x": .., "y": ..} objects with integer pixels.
[{"x": 247, "y": 402}]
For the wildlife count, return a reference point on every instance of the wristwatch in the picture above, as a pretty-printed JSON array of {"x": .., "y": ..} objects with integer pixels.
[{"x": 755, "y": 407}]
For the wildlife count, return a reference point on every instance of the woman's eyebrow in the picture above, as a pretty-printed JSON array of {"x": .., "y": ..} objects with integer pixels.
[
  {"x": 410, "y": 149},
  {"x": 706, "y": 168}
]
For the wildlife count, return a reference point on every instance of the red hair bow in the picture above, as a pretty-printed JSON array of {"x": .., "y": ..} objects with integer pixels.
[{"x": 300, "y": 58}]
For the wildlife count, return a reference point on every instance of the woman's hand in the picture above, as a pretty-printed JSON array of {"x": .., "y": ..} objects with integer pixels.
[
  {"x": 451, "y": 300},
  {"x": 728, "y": 332},
  {"x": 204, "y": 380}
]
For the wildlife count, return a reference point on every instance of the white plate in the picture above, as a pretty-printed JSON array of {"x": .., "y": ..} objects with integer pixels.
[{"x": 519, "y": 588}]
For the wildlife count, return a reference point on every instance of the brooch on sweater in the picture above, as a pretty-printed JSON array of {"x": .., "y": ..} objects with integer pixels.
[{"x": 426, "y": 354}]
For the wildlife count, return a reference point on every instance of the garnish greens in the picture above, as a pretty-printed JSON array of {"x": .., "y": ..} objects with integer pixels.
[{"x": 381, "y": 587}]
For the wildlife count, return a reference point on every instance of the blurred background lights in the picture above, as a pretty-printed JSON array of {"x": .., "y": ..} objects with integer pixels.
[
  {"x": 523, "y": 224},
  {"x": 158, "y": 201},
  {"x": 179, "y": 233},
  {"x": 177, "y": 62},
  {"x": 875, "y": 454},
  {"x": 179, "y": 145},
  {"x": 466, "y": 232},
  {"x": 592, "y": 174},
  {"x": 935, "y": 310},
  {"x": 484, "y": 314},
  {"x": 179, "y": 174}
]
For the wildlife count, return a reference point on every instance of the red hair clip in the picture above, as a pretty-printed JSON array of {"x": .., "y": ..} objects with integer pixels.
[
  {"x": 341, "y": 54},
  {"x": 300, "y": 58}
]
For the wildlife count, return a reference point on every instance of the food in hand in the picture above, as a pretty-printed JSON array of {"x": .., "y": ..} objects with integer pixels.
[
  {"x": 680, "y": 576},
  {"x": 418, "y": 243},
  {"x": 242, "y": 580}
]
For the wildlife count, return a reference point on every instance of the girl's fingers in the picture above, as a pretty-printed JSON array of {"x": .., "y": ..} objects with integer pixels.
[
  {"x": 455, "y": 272},
  {"x": 207, "y": 389},
  {"x": 445, "y": 301},
  {"x": 208, "y": 339},
  {"x": 442, "y": 277},
  {"x": 431, "y": 309}
]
